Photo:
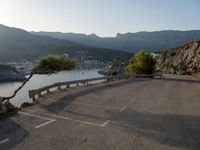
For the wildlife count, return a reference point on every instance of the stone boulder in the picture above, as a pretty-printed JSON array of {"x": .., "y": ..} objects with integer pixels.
[
  {"x": 3, "y": 109},
  {"x": 10, "y": 107},
  {"x": 6, "y": 107}
]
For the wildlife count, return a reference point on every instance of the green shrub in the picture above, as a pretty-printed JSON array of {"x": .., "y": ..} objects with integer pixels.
[
  {"x": 141, "y": 63},
  {"x": 52, "y": 63},
  {"x": 114, "y": 72}
]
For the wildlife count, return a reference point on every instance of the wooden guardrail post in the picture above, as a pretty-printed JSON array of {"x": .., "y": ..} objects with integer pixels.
[
  {"x": 58, "y": 85},
  {"x": 59, "y": 88},
  {"x": 40, "y": 94},
  {"x": 31, "y": 95},
  {"x": 48, "y": 91}
]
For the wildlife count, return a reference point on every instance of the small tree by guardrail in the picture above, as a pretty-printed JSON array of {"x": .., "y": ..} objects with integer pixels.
[
  {"x": 47, "y": 64},
  {"x": 141, "y": 63}
]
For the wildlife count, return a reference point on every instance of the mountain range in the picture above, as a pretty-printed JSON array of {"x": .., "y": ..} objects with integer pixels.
[
  {"x": 16, "y": 44},
  {"x": 131, "y": 42}
]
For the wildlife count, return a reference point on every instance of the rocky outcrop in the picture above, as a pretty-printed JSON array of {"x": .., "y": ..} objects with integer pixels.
[
  {"x": 6, "y": 107},
  {"x": 3, "y": 109},
  {"x": 181, "y": 60}
]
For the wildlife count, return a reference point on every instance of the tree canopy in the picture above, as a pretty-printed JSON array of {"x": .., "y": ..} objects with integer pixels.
[
  {"x": 141, "y": 63},
  {"x": 53, "y": 63}
]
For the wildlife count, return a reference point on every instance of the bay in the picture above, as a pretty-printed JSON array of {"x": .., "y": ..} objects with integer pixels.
[{"x": 38, "y": 81}]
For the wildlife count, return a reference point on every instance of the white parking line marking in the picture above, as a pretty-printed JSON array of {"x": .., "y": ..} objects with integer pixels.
[
  {"x": 100, "y": 106},
  {"x": 4, "y": 141},
  {"x": 105, "y": 123},
  {"x": 29, "y": 110},
  {"x": 50, "y": 120},
  {"x": 133, "y": 99},
  {"x": 79, "y": 121},
  {"x": 43, "y": 124},
  {"x": 123, "y": 108},
  {"x": 35, "y": 116}
]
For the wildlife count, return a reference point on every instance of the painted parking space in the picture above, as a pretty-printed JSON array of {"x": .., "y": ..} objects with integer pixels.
[
  {"x": 47, "y": 120},
  {"x": 4, "y": 141},
  {"x": 79, "y": 112}
]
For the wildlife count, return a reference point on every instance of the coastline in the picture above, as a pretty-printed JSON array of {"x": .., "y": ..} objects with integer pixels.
[{"x": 7, "y": 88}]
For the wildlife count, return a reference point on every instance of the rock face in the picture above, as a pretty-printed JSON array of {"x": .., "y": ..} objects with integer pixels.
[
  {"x": 6, "y": 107},
  {"x": 181, "y": 60},
  {"x": 3, "y": 109}
]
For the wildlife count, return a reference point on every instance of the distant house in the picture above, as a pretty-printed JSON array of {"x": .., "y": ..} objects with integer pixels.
[
  {"x": 8, "y": 73},
  {"x": 66, "y": 55}
]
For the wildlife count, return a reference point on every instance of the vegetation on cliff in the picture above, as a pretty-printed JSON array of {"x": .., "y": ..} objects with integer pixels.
[{"x": 141, "y": 63}]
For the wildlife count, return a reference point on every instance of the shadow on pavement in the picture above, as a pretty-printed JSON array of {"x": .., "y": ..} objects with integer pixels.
[
  {"x": 12, "y": 132},
  {"x": 182, "y": 131},
  {"x": 62, "y": 103}
]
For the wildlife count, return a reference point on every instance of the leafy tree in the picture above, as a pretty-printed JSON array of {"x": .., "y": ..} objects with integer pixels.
[
  {"x": 47, "y": 64},
  {"x": 52, "y": 63},
  {"x": 141, "y": 63}
]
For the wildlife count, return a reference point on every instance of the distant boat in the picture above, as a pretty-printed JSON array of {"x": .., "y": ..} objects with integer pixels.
[{"x": 9, "y": 73}]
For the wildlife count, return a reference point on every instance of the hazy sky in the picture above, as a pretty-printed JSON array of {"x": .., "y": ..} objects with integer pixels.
[{"x": 103, "y": 17}]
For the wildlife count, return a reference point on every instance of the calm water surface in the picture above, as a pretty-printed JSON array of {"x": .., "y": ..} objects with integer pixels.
[{"x": 37, "y": 81}]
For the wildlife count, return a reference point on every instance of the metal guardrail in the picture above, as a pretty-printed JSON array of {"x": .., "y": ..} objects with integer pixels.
[{"x": 38, "y": 92}]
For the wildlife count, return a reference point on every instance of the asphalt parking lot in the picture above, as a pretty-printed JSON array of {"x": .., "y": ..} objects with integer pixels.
[{"x": 142, "y": 114}]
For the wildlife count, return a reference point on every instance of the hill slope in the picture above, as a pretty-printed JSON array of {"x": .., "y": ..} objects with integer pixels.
[
  {"x": 131, "y": 42},
  {"x": 18, "y": 44},
  {"x": 181, "y": 60}
]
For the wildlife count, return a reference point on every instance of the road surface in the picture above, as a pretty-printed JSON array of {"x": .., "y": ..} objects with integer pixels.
[{"x": 146, "y": 114}]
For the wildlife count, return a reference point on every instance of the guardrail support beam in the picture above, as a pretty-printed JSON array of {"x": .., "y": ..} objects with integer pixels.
[
  {"x": 59, "y": 88},
  {"x": 39, "y": 94},
  {"x": 48, "y": 91}
]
